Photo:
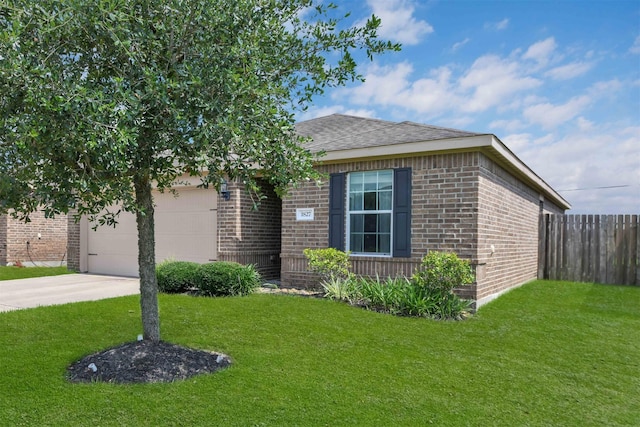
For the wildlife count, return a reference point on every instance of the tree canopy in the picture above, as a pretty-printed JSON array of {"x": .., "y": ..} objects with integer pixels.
[{"x": 101, "y": 100}]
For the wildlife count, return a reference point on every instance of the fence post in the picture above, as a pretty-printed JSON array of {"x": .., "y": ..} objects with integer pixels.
[{"x": 542, "y": 245}]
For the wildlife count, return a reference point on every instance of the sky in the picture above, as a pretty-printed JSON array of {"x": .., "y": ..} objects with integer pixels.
[{"x": 558, "y": 82}]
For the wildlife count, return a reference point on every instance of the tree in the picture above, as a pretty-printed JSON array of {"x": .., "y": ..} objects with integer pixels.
[{"x": 101, "y": 100}]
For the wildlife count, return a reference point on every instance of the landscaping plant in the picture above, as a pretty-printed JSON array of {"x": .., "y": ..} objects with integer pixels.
[
  {"x": 176, "y": 276},
  {"x": 429, "y": 292},
  {"x": 441, "y": 272},
  {"x": 329, "y": 263},
  {"x": 438, "y": 275},
  {"x": 382, "y": 295},
  {"x": 226, "y": 278},
  {"x": 341, "y": 289}
]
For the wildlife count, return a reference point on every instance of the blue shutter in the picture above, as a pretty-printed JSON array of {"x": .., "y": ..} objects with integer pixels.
[
  {"x": 336, "y": 210},
  {"x": 402, "y": 212}
]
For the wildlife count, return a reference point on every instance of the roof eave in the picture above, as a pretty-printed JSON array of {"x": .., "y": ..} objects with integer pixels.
[{"x": 487, "y": 143}]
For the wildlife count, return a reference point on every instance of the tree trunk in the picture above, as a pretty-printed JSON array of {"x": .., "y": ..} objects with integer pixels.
[{"x": 147, "y": 260}]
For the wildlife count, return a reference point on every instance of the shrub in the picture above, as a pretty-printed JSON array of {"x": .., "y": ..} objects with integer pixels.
[
  {"x": 176, "y": 276},
  {"x": 438, "y": 275},
  {"x": 329, "y": 263},
  {"x": 440, "y": 272},
  {"x": 225, "y": 278}
]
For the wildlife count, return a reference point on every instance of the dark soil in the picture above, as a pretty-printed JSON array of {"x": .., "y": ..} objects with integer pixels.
[{"x": 145, "y": 362}]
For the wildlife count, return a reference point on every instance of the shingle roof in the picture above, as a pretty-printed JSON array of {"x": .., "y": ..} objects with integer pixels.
[{"x": 343, "y": 132}]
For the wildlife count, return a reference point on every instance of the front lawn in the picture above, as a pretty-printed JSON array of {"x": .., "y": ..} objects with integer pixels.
[
  {"x": 548, "y": 353},
  {"x": 10, "y": 272}
]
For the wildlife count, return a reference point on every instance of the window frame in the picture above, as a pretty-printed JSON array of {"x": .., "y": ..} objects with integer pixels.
[{"x": 349, "y": 212}]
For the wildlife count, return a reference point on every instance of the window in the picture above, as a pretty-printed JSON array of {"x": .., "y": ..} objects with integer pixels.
[{"x": 369, "y": 213}]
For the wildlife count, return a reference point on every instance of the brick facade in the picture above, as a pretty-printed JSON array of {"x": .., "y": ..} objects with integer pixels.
[
  {"x": 245, "y": 235},
  {"x": 43, "y": 241},
  {"x": 248, "y": 235},
  {"x": 462, "y": 202},
  {"x": 3, "y": 239},
  {"x": 73, "y": 243},
  {"x": 442, "y": 218},
  {"x": 508, "y": 215}
]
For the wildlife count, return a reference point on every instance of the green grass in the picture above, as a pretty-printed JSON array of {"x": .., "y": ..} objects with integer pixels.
[
  {"x": 548, "y": 353},
  {"x": 10, "y": 273}
]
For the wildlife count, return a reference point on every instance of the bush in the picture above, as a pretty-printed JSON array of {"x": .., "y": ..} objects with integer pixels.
[
  {"x": 225, "y": 278},
  {"x": 329, "y": 263},
  {"x": 176, "y": 276},
  {"x": 441, "y": 272},
  {"x": 429, "y": 292},
  {"x": 437, "y": 276}
]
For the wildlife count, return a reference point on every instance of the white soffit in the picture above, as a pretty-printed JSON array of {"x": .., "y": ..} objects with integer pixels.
[{"x": 409, "y": 148}]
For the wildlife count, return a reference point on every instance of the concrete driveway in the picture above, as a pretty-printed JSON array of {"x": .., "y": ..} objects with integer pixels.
[{"x": 27, "y": 293}]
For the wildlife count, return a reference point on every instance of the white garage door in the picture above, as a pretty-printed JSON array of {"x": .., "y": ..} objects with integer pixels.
[{"x": 185, "y": 230}]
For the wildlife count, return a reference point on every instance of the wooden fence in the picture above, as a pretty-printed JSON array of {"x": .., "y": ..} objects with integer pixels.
[{"x": 590, "y": 248}]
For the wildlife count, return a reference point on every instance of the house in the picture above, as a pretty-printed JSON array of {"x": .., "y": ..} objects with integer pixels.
[
  {"x": 394, "y": 192},
  {"x": 399, "y": 190},
  {"x": 195, "y": 224},
  {"x": 40, "y": 242}
]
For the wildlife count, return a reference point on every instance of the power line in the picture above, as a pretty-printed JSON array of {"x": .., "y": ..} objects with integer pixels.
[{"x": 599, "y": 188}]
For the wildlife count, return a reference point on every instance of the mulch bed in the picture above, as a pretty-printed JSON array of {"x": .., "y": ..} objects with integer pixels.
[
  {"x": 145, "y": 362},
  {"x": 148, "y": 362}
]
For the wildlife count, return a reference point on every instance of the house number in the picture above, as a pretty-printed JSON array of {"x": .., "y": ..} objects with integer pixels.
[{"x": 304, "y": 214}]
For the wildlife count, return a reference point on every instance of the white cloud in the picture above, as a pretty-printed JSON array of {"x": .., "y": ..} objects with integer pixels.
[
  {"x": 605, "y": 88},
  {"x": 391, "y": 87},
  {"x": 541, "y": 52},
  {"x": 507, "y": 125},
  {"x": 517, "y": 142},
  {"x": 381, "y": 86},
  {"x": 585, "y": 125},
  {"x": 398, "y": 22},
  {"x": 550, "y": 116},
  {"x": 635, "y": 48},
  {"x": 497, "y": 26},
  {"x": 569, "y": 71},
  {"x": 587, "y": 158},
  {"x": 314, "y": 112},
  {"x": 492, "y": 80},
  {"x": 433, "y": 95},
  {"x": 458, "y": 45}
]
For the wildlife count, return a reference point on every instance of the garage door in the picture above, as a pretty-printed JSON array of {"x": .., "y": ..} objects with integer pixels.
[{"x": 185, "y": 230}]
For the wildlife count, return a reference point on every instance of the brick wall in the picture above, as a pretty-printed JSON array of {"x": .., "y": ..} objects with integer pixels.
[
  {"x": 41, "y": 241},
  {"x": 508, "y": 220},
  {"x": 3, "y": 239},
  {"x": 73, "y": 243},
  {"x": 443, "y": 217},
  {"x": 462, "y": 203},
  {"x": 251, "y": 236}
]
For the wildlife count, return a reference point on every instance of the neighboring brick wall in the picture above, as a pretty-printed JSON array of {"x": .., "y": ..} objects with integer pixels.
[
  {"x": 443, "y": 217},
  {"x": 251, "y": 236},
  {"x": 24, "y": 246},
  {"x": 73, "y": 243},
  {"x": 3, "y": 239},
  {"x": 508, "y": 219}
]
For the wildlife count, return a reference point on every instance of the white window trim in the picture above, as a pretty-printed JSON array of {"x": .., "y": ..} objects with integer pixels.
[{"x": 348, "y": 213}]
